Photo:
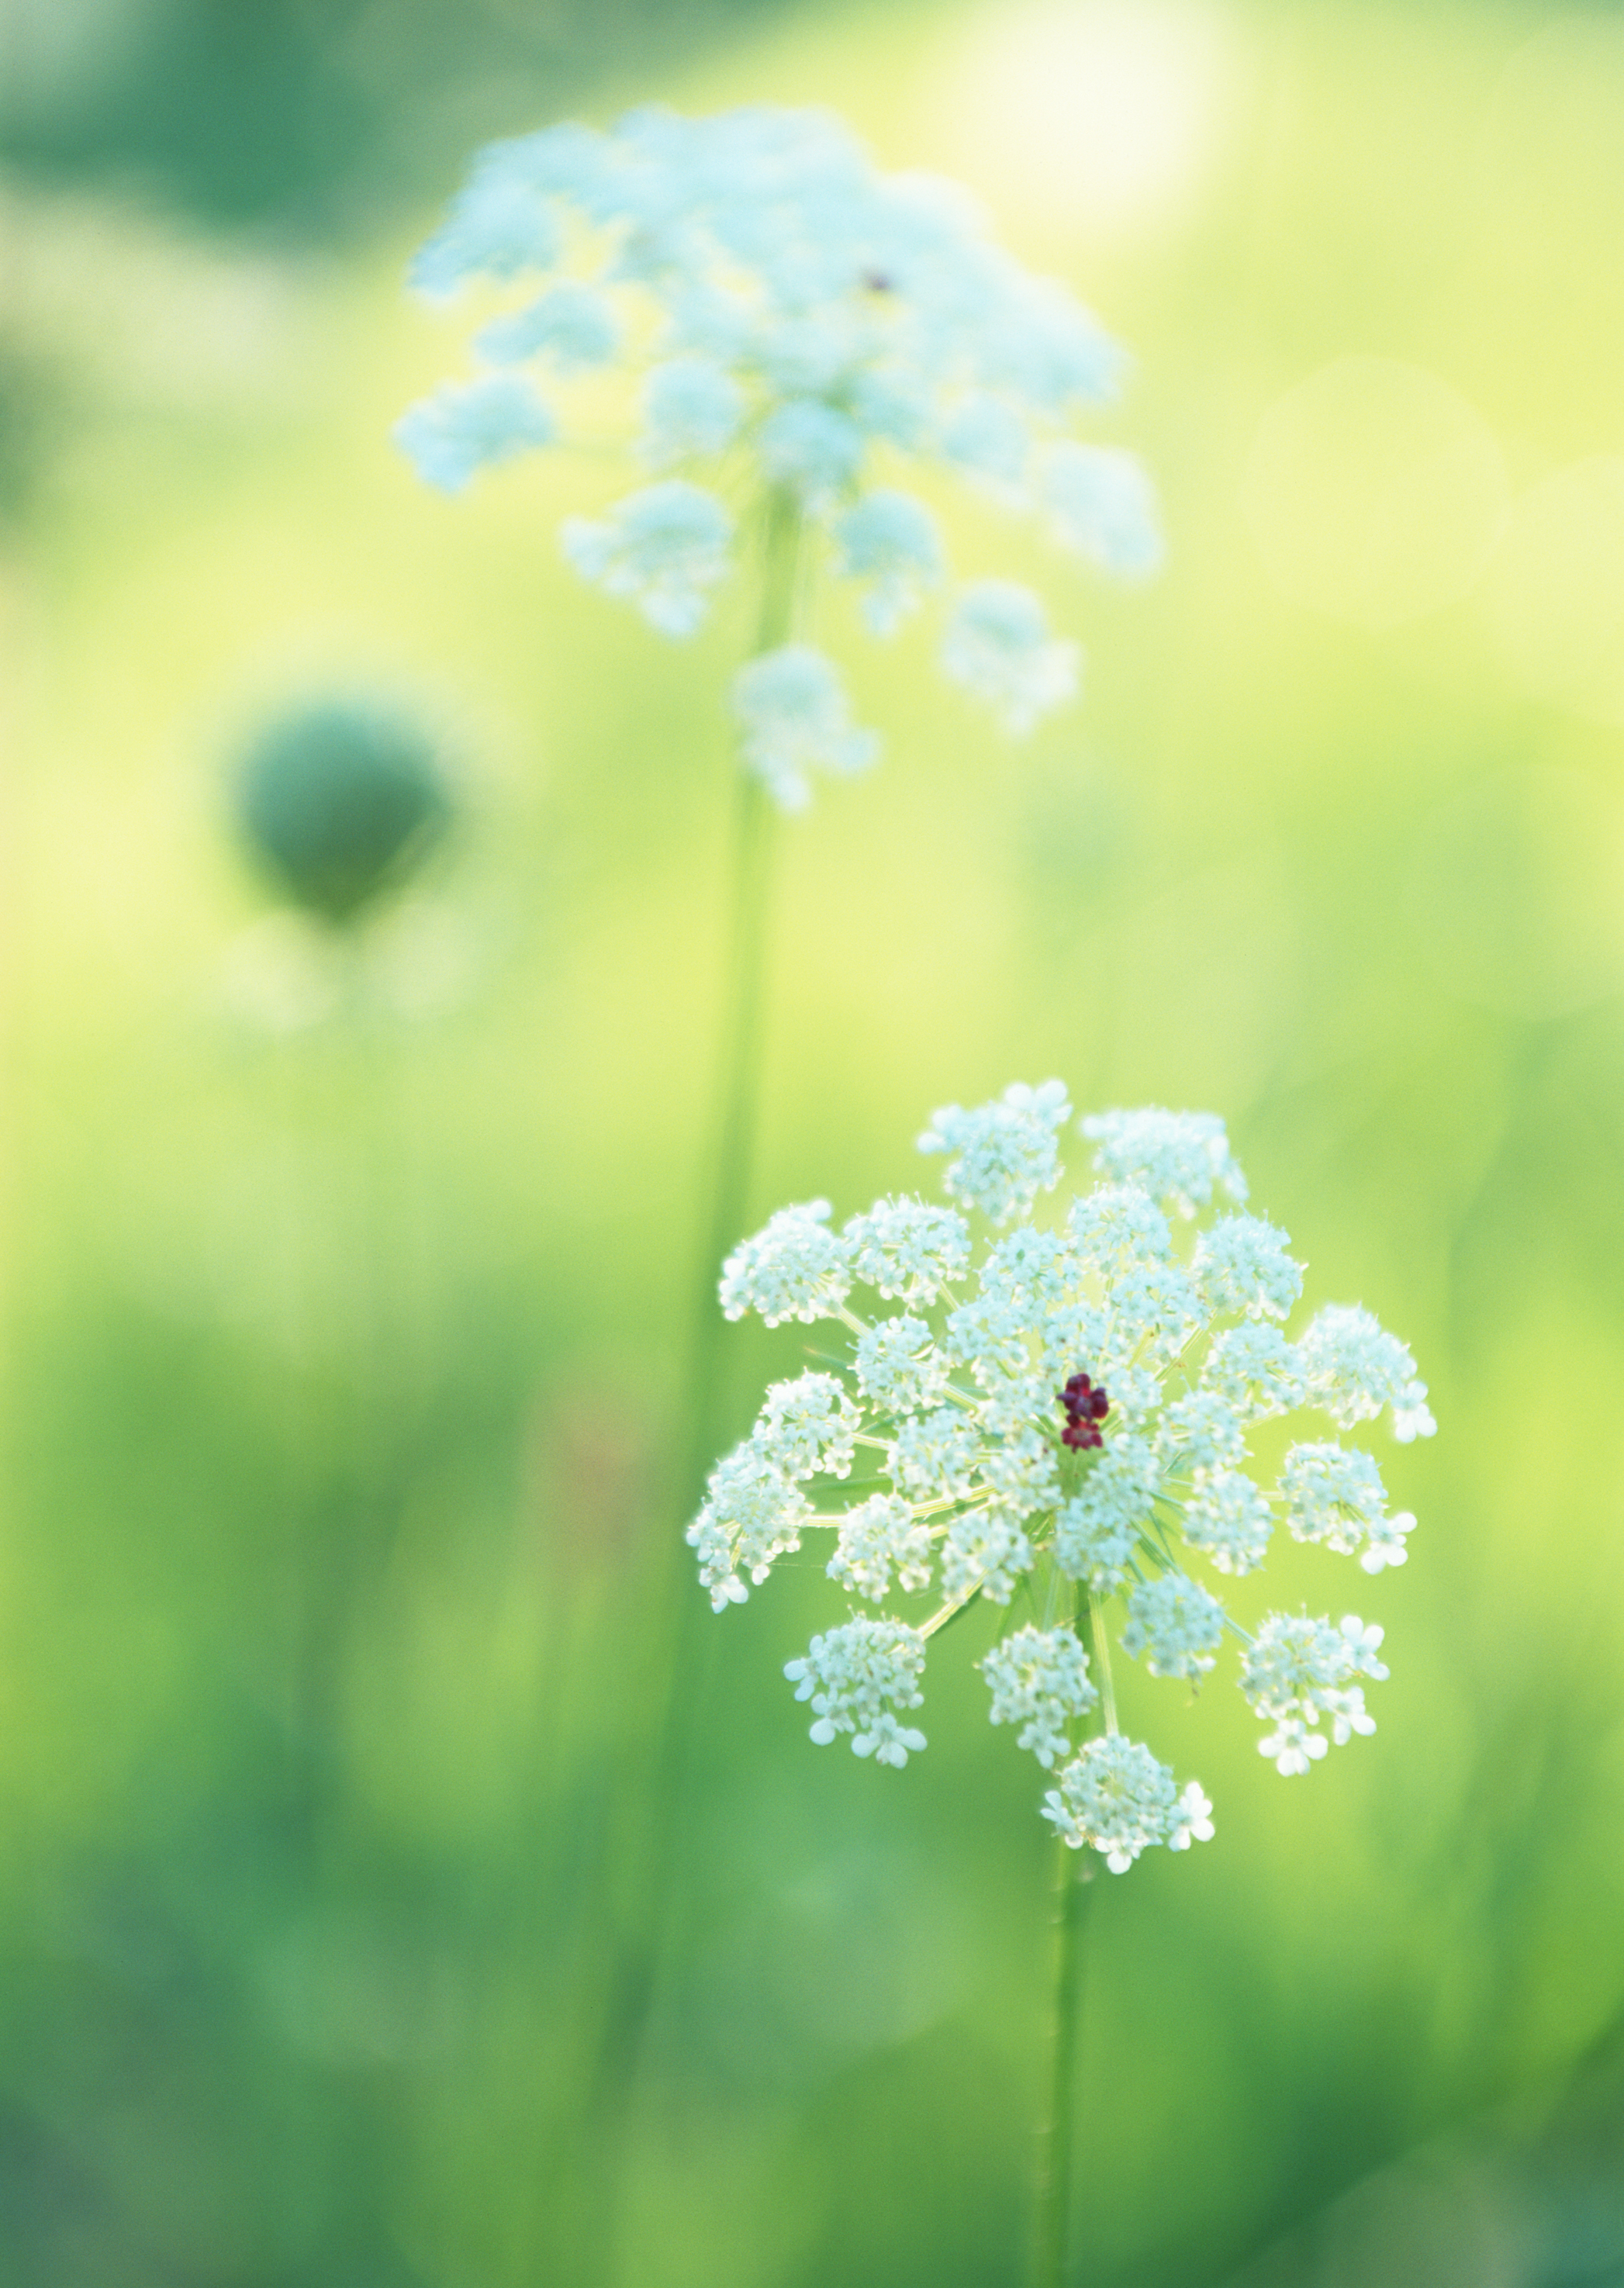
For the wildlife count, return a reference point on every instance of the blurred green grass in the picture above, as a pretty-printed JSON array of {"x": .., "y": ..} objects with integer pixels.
[{"x": 407, "y": 1288}]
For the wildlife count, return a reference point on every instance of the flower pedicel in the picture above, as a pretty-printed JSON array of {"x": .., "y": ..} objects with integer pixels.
[{"x": 1062, "y": 1415}]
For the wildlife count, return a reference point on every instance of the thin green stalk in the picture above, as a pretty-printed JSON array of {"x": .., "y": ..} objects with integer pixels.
[
  {"x": 736, "y": 1103},
  {"x": 644, "y": 1852},
  {"x": 1055, "y": 2154}
]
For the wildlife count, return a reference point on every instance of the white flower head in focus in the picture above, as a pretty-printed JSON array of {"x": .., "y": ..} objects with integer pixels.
[
  {"x": 803, "y": 330},
  {"x": 1045, "y": 1414}
]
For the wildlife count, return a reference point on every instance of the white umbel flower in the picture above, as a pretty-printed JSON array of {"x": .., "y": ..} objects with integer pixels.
[
  {"x": 899, "y": 1369},
  {"x": 1333, "y": 1494},
  {"x": 1255, "y": 1370},
  {"x": 1299, "y": 1670},
  {"x": 1039, "y": 1679},
  {"x": 471, "y": 425},
  {"x": 691, "y": 406},
  {"x": 856, "y": 1677},
  {"x": 1097, "y": 1532},
  {"x": 794, "y": 1268},
  {"x": 664, "y": 548},
  {"x": 799, "y": 323},
  {"x": 889, "y": 543},
  {"x": 1227, "y": 1518},
  {"x": 935, "y": 1457},
  {"x": 1241, "y": 1265},
  {"x": 752, "y": 1514},
  {"x": 574, "y": 327},
  {"x": 794, "y": 717},
  {"x": 1117, "y": 1798},
  {"x": 808, "y": 1425},
  {"x": 1177, "y": 1158},
  {"x": 984, "y": 1553},
  {"x": 1175, "y": 1624},
  {"x": 999, "y": 645},
  {"x": 1353, "y": 1368},
  {"x": 1002, "y": 1155},
  {"x": 1058, "y": 1417},
  {"x": 1119, "y": 1227},
  {"x": 878, "y": 1539},
  {"x": 1100, "y": 502},
  {"x": 904, "y": 1248}
]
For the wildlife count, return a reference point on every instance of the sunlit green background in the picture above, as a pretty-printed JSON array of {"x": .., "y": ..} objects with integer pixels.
[{"x": 356, "y": 1288}]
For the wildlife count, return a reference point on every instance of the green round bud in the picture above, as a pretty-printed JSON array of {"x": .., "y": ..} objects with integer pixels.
[{"x": 340, "y": 801}]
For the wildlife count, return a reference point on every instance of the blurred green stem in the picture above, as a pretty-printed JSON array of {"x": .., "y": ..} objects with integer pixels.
[
  {"x": 735, "y": 1105},
  {"x": 1073, "y": 1882},
  {"x": 642, "y": 1888}
]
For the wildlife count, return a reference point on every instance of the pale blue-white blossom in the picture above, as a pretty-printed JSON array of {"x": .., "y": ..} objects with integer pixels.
[
  {"x": 1333, "y": 1494},
  {"x": 794, "y": 1269},
  {"x": 752, "y": 1514},
  {"x": 889, "y": 543},
  {"x": 664, "y": 548},
  {"x": 1100, "y": 502},
  {"x": 1175, "y": 1624},
  {"x": 1201, "y": 1429},
  {"x": 907, "y": 1248},
  {"x": 1353, "y": 1368},
  {"x": 1155, "y": 1309},
  {"x": 794, "y": 718},
  {"x": 1099, "y": 1529},
  {"x": 1387, "y": 1545},
  {"x": 1228, "y": 1519},
  {"x": 984, "y": 1553},
  {"x": 797, "y": 320},
  {"x": 1119, "y": 1225},
  {"x": 466, "y": 426},
  {"x": 811, "y": 448},
  {"x": 1119, "y": 1798},
  {"x": 1057, "y": 1419},
  {"x": 808, "y": 1426},
  {"x": 1177, "y": 1158},
  {"x": 999, "y": 645},
  {"x": 1299, "y": 1670},
  {"x": 856, "y": 1678},
  {"x": 1256, "y": 1369},
  {"x": 1039, "y": 1679},
  {"x": 1242, "y": 1264},
  {"x": 572, "y": 328},
  {"x": 879, "y": 1538},
  {"x": 934, "y": 1456},
  {"x": 1001, "y": 1154},
  {"x": 691, "y": 407},
  {"x": 899, "y": 1369}
]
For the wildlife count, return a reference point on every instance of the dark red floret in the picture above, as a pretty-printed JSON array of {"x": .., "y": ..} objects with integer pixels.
[{"x": 1086, "y": 1408}]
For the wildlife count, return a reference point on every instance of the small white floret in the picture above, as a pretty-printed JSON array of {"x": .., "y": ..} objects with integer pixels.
[
  {"x": 998, "y": 644},
  {"x": 662, "y": 549},
  {"x": 1003, "y": 1154},
  {"x": 468, "y": 426},
  {"x": 1101, "y": 503},
  {"x": 795, "y": 1268},
  {"x": 794, "y": 717}
]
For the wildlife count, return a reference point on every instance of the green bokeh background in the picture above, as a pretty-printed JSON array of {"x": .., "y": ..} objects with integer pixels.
[{"x": 346, "y": 1291}]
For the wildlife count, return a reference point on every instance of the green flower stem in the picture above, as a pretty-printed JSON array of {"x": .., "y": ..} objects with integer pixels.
[
  {"x": 1102, "y": 1661},
  {"x": 1052, "y": 2239},
  {"x": 739, "y": 1067},
  {"x": 642, "y": 1848}
]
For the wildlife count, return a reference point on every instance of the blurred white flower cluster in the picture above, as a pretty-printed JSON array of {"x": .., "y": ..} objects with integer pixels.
[
  {"x": 804, "y": 327},
  {"x": 1061, "y": 1428}
]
